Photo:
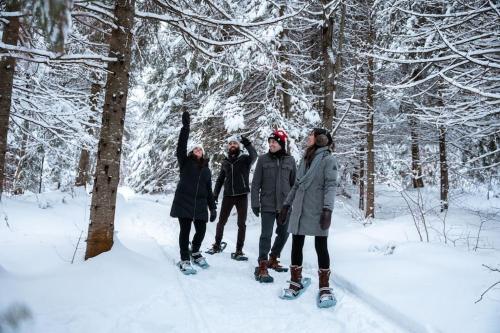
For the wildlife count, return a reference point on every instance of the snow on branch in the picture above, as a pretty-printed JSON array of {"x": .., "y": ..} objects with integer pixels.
[
  {"x": 450, "y": 15},
  {"x": 59, "y": 57}
]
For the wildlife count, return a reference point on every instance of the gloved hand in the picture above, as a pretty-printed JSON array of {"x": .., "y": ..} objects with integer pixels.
[
  {"x": 244, "y": 140},
  {"x": 185, "y": 119},
  {"x": 283, "y": 214},
  {"x": 213, "y": 214},
  {"x": 326, "y": 219},
  {"x": 256, "y": 211}
]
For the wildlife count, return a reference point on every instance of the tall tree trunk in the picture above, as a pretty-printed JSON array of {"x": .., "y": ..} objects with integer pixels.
[
  {"x": 83, "y": 176},
  {"x": 7, "y": 68},
  {"x": 328, "y": 68},
  {"x": 18, "y": 175},
  {"x": 416, "y": 166},
  {"x": 107, "y": 172},
  {"x": 444, "y": 168},
  {"x": 338, "y": 61},
  {"x": 370, "y": 156},
  {"x": 285, "y": 74},
  {"x": 362, "y": 180}
]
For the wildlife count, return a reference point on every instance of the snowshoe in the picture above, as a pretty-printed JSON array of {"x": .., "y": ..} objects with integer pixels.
[
  {"x": 199, "y": 260},
  {"x": 289, "y": 293},
  {"x": 239, "y": 256},
  {"x": 217, "y": 248},
  {"x": 327, "y": 299},
  {"x": 186, "y": 268},
  {"x": 261, "y": 274}
]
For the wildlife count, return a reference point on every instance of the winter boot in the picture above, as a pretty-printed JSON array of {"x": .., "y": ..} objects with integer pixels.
[
  {"x": 298, "y": 284},
  {"x": 199, "y": 260},
  {"x": 216, "y": 248},
  {"x": 274, "y": 263},
  {"x": 239, "y": 256},
  {"x": 326, "y": 298},
  {"x": 261, "y": 273}
]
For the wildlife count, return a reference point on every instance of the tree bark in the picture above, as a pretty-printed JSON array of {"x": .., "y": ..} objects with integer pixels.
[
  {"x": 83, "y": 176},
  {"x": 7, "y": 69},
  {"x": 362, "y": 181},
  {"x": 107, "y": 172},
  {"x": 416, "y": 166},
  {"x": 328, "y": 69},
  {"x": 19, "y": 174},
  {"x": 444, "y": 168},
  {"x": 370, "y": 156},
  {"x": 285, "y": 74}
]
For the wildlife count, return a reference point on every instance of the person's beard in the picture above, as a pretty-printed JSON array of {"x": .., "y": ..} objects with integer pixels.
[{"x": 234, "y": 150}]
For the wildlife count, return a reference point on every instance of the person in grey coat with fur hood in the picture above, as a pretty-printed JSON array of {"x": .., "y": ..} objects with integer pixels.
[{"x": 308, "y": 208}]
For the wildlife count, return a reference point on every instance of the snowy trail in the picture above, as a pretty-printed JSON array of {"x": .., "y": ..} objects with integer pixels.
[
  {"x": 226, "y": 296},
  {"x": 137, "y": 288}
]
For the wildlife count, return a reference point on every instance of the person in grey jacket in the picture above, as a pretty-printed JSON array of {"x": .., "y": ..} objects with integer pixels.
[
  {"x": 272, "y": 180},
  {"x": 310, "y": 205}
]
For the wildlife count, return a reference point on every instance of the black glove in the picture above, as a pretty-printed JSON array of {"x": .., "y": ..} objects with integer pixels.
[
  {"x": 326, "y": 219},
  {"x": 244, "y": 140},
  {"x": 256, "y": 211},
  {"x": 213, "y": 214},
  {"x": 283, "y": 214},
  {"x": 185, "y": 119}
]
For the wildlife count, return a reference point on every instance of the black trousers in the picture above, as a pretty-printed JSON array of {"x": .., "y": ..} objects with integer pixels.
[
  {"x": 200, "y": 229},
  {"x": 241, "y": 203},
  {"x": 321, "y": 245}
]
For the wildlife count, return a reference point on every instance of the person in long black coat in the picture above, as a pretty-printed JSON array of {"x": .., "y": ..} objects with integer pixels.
[{"x": 192, "y": 196}]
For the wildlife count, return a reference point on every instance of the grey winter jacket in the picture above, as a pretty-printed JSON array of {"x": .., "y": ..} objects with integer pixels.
[
  {"x": 272, "y": 180},
  {"x": 307, "y": 203}
]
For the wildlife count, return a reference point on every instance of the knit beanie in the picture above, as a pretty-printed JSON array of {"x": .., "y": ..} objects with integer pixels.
[{"x": 280, "y": 136}]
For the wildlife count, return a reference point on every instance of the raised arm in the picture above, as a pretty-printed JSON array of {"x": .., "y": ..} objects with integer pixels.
[
  {"x": 250, "y": 148},
  {"x": 183, "y": 139}
]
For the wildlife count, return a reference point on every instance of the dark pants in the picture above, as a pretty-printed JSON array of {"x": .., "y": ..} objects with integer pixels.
[
  {"x": 241, "y": 203},
  {"x": 321, "y": 245},
  {"x": 266, "y": 234},
  {"x": 200, "y": 228}
]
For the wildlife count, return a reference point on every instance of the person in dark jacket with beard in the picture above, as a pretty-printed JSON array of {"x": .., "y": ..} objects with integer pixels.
[
  {"x": 192, "y": 197},
  {"x": 272, "y": 180},
  {"x": 234, "y": 175}
]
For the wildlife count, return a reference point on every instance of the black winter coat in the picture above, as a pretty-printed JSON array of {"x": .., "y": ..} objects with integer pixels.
[
  {"x": 234, "y": 174},
  {"x": 194, "y": 190}
]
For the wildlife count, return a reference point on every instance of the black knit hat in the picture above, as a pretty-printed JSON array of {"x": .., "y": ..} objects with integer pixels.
[{"x": 323, "y": 137}]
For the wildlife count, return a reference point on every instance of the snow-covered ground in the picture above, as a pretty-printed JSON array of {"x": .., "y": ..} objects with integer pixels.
[{"x": 386, "y": 280}]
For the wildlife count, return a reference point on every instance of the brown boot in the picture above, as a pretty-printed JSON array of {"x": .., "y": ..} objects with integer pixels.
[
  {"x": 325, "y": 297},
  {"x": 296, "y": 278},
  {"x": 274, "y": 263},
  {"x": 297, "y": 283},
  {"x": 261, "y": 273}
]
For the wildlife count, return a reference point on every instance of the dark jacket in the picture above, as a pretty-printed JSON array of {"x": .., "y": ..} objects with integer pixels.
[
  {"x": 194, "y": 190},
  {"x": 272, "y": 181},
  {"x": 234, "y": 174}
]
